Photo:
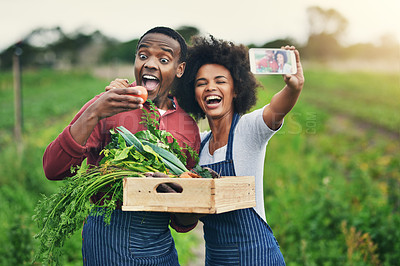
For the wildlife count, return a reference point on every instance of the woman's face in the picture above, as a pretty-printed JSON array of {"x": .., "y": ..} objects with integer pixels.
[
  {"x": 280, "y": 59},
  {"x": 214, "y": 90}
]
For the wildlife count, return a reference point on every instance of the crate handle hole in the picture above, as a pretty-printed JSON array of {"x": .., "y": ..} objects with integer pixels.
[{"x": 169, "y": 187}]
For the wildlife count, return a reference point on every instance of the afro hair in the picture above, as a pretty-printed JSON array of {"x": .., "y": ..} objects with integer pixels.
[{"x": 209, "y": 50}]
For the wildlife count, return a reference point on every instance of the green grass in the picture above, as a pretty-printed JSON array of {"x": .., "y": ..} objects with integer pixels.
[
  {"x": 334, "y": 166},
  {"x": 47, "y": 95},
  {"x": 323, "y": 170},
  {"x": 372, "y": 98}
]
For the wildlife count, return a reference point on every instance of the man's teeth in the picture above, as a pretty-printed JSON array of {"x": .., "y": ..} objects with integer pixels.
[{"x": 149, "y": 77}]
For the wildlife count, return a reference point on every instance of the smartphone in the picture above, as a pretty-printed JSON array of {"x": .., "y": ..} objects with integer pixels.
[{"x": 266, "y": 61}]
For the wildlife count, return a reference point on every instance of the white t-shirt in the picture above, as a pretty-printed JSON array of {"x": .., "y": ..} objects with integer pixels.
[{"x": 250, "y": 140}]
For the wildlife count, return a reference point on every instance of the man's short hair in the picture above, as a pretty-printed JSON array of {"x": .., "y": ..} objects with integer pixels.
[{"x": 172, "y": 34}]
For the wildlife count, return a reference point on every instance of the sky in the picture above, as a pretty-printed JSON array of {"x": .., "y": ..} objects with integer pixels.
[{"x": 246, "y": 21}]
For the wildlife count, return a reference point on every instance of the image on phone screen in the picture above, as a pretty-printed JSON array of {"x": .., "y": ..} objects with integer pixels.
[{"x": 266, "y": 61}]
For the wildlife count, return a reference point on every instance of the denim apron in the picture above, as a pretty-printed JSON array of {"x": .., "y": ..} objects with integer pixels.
[
  {"x": 239, "y": 237},
  {"x": 132, "y": 238}
]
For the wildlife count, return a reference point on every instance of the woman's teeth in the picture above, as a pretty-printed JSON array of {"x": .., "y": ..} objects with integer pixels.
[{"x": 213, "y": 99}]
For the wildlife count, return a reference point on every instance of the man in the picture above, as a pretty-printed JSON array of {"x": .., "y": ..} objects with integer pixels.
[
  {"x": 267, "y": 63},
  {"x": 133, "y": 237}
]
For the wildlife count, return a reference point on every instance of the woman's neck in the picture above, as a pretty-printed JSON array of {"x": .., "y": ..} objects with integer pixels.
[{"x": 220, "y": 132}]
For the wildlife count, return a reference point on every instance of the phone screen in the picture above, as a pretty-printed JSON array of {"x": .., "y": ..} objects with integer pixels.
[{"x": 266, "y": 61}]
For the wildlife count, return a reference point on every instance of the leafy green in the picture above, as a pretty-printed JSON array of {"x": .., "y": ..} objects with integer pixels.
[
  {"x": 62, "y": 213},
  {"x": 162, "y": 138},
  {"x": 204, "y": 172}
]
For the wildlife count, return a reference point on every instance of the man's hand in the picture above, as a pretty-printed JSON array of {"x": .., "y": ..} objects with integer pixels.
[
  {"x": 118, "y": 83},
  {"x": 165, "y": 187},
  {"x": 110, "y": 103},
  {"x": 115, "y": 101},
  {"x": 187, "y": 219}
]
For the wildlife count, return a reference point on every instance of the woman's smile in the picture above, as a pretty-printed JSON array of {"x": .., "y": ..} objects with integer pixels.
[{"x": 214, "y": 90}]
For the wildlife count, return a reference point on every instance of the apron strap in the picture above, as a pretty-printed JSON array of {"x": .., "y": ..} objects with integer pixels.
[
  {"x": 204, "y": 141},
  {"x": 229, "y": 154}
]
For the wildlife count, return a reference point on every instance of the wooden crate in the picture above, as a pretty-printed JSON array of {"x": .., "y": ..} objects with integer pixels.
[{"x": 199, "y": 195}]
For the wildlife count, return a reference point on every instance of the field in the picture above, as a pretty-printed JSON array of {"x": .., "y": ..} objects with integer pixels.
[{"x": 332, "y": 174}]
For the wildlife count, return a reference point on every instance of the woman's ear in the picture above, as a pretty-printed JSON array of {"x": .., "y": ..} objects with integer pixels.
[{"x": 180, "y": 70}]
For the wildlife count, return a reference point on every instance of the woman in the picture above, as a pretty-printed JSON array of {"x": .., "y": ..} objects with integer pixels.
[
  {"x": 283, "y": 66},
  {"x": 218, "y": 84}
]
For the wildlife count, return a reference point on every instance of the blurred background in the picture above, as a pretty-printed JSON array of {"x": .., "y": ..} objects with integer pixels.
[{"x": 332, "y": 173}]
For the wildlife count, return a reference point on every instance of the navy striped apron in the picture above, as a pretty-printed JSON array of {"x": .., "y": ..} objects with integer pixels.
[
  {"x": 132, "y": 238},
  {"x": 239, "y": 237}
]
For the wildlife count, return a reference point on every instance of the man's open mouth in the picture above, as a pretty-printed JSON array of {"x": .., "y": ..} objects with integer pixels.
[{"x": 150, "y": 82}]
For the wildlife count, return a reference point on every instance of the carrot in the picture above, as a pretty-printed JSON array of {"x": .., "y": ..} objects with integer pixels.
[{"x": 189, "y": 175}]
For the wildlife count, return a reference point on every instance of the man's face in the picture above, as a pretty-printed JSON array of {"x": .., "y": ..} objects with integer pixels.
[
  {"x": 157, "y": 64},
  {"x": 269, "y": 54}
]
